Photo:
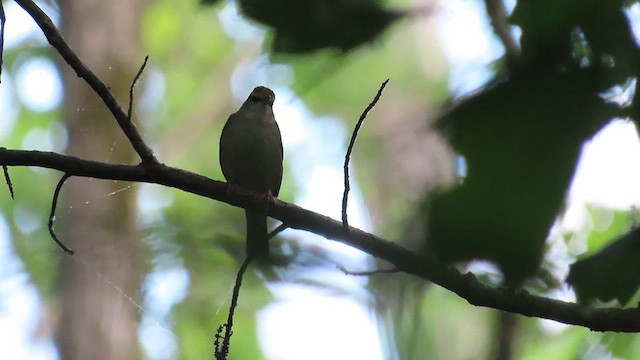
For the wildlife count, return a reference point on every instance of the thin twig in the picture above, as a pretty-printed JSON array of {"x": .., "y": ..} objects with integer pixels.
[
  {"x": 282, "y": 227},
  {"x": 7, "y": 179},
  {"x": 52, "y": 215},
  {"x": 369, "y": 273},
  {"x": 2, "y": 24},
  {"x": 347, "y": 157},
  {"x": 222, "y": 352},
  {"x": 55, "y": 39},
  {"x": 133, "y": 84}
]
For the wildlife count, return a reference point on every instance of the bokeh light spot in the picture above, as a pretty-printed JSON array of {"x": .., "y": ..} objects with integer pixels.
[{"x": 39, "y": 85}]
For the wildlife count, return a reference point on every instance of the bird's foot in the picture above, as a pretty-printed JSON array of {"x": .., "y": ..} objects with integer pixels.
[
  {"x": 269, "y": 197},
  {"x": 231, "y": 185}
]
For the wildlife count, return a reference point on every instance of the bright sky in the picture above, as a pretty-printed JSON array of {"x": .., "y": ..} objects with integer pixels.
[{"x": 300, "y": 322}]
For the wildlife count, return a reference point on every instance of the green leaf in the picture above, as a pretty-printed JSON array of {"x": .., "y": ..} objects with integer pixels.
[
  {"x": 521, "y": 141},
  {"x": 546, "y": 31},
  {"x": 612, "y": 273},
  {"x": 307, "y": 26}
]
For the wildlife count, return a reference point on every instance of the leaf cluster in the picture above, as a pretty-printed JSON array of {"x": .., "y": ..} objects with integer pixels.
[{"x": 521, "y": 138}]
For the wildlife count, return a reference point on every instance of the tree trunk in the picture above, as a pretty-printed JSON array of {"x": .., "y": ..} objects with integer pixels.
[{"x": 97, "y": 321}]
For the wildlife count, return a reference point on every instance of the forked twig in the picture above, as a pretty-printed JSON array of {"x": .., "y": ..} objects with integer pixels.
[{"x": 55, "y": 39}]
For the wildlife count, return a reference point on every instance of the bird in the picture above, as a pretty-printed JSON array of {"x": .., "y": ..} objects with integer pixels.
[{"x": 251, "y": 156}]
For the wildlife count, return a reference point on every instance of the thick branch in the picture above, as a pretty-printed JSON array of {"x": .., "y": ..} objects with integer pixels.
[
  {"x": 55, "y": 39},
  {"x": 466, "y": 286}
]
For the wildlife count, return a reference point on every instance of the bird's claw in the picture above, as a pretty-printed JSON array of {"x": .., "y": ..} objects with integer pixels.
[{"x": 269, "y": 197}]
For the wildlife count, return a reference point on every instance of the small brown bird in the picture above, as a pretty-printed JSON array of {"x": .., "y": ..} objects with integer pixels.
[{"x": 251, "y": 157}]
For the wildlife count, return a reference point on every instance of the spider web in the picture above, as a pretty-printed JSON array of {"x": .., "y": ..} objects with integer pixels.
[{"x": 151, "y": 319}]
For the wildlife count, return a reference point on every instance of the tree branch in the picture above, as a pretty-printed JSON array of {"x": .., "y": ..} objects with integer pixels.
[
  {"x": 466, "y": 286},
  {"x": 498, "y": 18},
  {"x": 55, "y": 39},
  {"x": 151, "y": 171}
]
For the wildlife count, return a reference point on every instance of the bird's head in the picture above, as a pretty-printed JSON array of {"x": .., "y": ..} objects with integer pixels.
[{"x": 262, "y": 95}]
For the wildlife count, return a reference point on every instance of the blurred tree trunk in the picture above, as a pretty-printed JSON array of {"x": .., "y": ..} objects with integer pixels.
[{"x": 96, "y": 320}]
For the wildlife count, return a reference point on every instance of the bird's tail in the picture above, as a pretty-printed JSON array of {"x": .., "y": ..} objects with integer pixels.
[{"x": 257, "y": 236}]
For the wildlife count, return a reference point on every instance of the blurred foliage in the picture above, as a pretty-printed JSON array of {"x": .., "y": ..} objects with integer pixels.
[
  {"x": 520, "y": 136},
  {"x": 209, "y": 2},
  {"x": 610, "y": 270},
  {"x": 520, "y": 151},
  {"x": 306, "y": 26},
  {"x": 612, "y": 273}
]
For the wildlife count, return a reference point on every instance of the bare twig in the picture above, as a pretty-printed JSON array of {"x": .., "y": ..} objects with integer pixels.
[
  {"x": 465, "y": 286},
  {"x": 347, "y": 157},
  {"x": 222, "y": 351},
  {"x": 368, "y": 273},
  {"x": 133, "y": 84},
  {"x": 7, "y": 179},
  {"x": 2, "y": 24},
  {"x": 55, "y": 39},
  {"x": 282, "y": 227},
  {"x": 52, "y": 215}
]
